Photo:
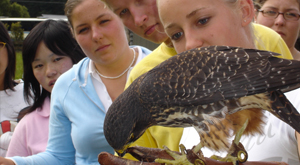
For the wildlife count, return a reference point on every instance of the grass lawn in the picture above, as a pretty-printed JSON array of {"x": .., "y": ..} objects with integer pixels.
[{"x": 19, "y": 65}]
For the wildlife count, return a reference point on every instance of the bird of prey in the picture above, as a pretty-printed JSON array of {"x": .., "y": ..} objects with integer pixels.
[{"x": 215, "y": 89}]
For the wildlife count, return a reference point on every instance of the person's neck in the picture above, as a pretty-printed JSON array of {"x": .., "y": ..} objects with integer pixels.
[
  {"x": 295, "y": 53},
  {"x": 2, "y": 81},
  {"x": 119, "y": 66},
  {"x": 169, "y": 43}
]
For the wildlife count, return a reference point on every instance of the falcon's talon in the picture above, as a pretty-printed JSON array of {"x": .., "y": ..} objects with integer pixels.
[
  {"x": 178, "y": 158},
  {"x": 197, "y": 148},
  {"x": 228, "y": 158},
  {"x": 199, "y": 162},
  {"x": 182, "y": 148},
  {"x": 236, "y": 152}
]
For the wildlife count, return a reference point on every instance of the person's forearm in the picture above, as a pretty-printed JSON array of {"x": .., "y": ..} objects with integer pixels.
[{"x": 4, "y": 161}]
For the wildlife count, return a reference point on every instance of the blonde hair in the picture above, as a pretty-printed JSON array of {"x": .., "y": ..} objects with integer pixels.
[
  {"x": 69, "y": 7},
  {"x": 235, "y": 5},
  {"x": 71, "y": 4},
  {"x": 106, "y": 4}
]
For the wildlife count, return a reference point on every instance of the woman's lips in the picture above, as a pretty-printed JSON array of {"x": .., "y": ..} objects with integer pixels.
[
  {"x": 280, "y": 33},
  {"x": 101, "y": 48},
  {"x": 150, "y": 30},
  {"x": 52, "y": 82}
]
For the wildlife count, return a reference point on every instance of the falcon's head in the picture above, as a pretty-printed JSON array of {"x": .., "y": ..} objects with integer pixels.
[{"x": 126, "y": 120}]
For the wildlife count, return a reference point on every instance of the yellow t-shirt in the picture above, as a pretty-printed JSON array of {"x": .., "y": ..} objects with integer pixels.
[
  {"x": 158, "y": 136},
  {"x": 268, "y": 39}
]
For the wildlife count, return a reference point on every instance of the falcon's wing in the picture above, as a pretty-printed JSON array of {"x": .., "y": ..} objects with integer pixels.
[{"x": 205, "y": 75}]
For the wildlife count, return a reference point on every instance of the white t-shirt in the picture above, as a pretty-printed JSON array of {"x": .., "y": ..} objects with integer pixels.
[
  {"x": 277, "y": 144},
  {"x": 11, "y": 103}
]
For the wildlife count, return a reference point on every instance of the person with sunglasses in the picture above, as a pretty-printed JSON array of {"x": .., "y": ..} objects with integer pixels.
[
  {"x": 283, "y": 17},
  {"x": 11, "y": 91}
]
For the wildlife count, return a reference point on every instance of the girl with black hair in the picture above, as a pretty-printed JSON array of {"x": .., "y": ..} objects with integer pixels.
[{"x": 49, "y": 50}]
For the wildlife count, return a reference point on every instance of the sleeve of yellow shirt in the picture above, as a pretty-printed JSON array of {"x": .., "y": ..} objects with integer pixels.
[{"x": 268, "y": 39}]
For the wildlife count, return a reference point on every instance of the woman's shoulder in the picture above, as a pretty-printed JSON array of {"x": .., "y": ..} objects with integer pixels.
[
  {"x": 38, "y": 114},
  {"x": 265, "y": 32},
  {"x": 20, "y": 85},
  {"x": 18, "y": 88},
  {"x": 142, "y": 49},
  {"x": 70, "y": 81},
  {"x": 16, "y": 96},
  {"x": 267, "y": 39}
]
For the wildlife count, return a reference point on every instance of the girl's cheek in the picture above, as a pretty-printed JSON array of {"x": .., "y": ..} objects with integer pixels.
[{"x": 66, "y": 65}]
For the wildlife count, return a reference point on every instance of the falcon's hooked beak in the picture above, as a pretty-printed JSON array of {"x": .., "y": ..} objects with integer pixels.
[{"x": 121, "y": 153}]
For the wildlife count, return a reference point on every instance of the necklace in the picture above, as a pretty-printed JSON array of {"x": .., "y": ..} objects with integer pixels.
[{"x": 122, "y": 72}]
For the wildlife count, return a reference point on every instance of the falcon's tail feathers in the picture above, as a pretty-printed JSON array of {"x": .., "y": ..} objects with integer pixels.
[
  {"x": 284, "y": 110},
  {"x": 285, "y": 74}
]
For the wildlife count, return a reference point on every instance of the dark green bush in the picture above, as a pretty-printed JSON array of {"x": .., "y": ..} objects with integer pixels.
[
  {"x": 17, "y": 34},
  {"x": 17, "y": 31}
]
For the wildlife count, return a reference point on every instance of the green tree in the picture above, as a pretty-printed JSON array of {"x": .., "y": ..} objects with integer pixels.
[
  {"x": 38, "y": 7},
  {"x": 17, "y": 31},
  {"x": 4, "y": 7},
  {"x": 9, "y": 9},
  {"x": 18, "y": 10},
  {"x": 6, "y": 26}
]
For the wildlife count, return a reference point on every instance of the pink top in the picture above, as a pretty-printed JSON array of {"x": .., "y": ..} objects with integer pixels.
[{"x": 31, "y": 134}]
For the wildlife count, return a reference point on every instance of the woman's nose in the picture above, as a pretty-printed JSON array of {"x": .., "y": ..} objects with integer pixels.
[
  {"x": 51, "y": 70},
  {"x": 193, "y": 41},
  {"x": 280, "y": 20},
  {"x": 96, "y": 34}
]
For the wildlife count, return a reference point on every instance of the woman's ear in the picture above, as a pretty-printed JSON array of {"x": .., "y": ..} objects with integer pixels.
[{"x": 248, "y": 12}]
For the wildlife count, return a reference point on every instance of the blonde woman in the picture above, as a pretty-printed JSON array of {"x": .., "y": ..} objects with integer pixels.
[{"x": 197, "y": 24}]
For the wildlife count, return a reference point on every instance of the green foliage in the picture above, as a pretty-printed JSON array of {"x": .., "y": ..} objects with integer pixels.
[
  {"x": 18, "y": 10},
  {"x": 6, "y": 25},
  {"x": 34, "y": 8},
  {"x": 13, "y": 9},
  {"x": 19, "y": 65},
  {"x": 17, "y": 31},
  {"x": 4, "y": 7},
  {"x": 37, "y": 8}
]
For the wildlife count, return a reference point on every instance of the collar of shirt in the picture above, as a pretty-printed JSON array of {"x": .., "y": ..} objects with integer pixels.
[
  {"x": 99, "y": 86},
  {"x": 45, "y": 109}
]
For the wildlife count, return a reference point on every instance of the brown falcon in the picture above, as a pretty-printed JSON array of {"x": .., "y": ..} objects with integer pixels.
[{"x": 215, "y": 89}]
